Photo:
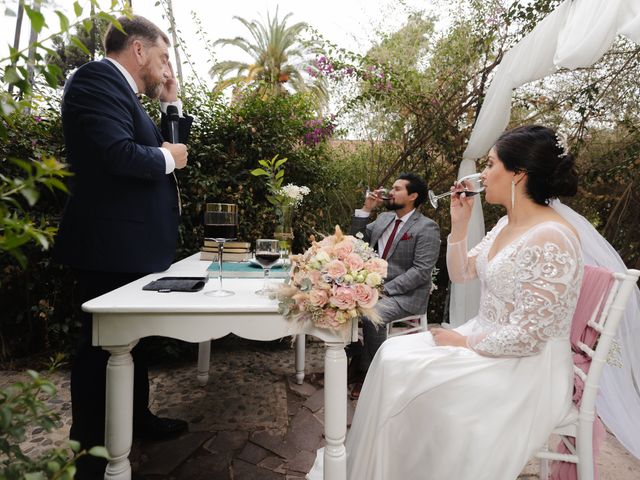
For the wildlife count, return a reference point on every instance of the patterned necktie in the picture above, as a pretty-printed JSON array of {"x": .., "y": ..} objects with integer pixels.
[{"x": 387, "y": 247}]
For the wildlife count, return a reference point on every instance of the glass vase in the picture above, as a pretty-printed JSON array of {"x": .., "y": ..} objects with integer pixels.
[{"x": 284, "y": 233}]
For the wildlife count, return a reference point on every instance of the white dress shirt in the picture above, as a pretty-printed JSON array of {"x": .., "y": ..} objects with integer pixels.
[{"x": 384, "y": 238}]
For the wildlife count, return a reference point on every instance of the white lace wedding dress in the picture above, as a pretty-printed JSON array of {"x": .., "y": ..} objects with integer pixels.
[{"x": 478, "y": 413}]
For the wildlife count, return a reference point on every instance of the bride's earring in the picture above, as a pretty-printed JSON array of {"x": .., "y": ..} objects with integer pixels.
[{"x": 513, "y": 194}]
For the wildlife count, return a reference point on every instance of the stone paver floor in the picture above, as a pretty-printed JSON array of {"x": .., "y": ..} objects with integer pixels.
[{"x": 251, "y": 421}]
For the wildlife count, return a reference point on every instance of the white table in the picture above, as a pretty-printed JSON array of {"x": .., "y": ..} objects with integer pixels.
[{"x": 127, "y": 314}]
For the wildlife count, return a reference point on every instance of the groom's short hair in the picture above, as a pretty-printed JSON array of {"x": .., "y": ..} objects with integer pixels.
[
  {"x": 415, "y": 184},
  {"x": 135, "y": 28}
]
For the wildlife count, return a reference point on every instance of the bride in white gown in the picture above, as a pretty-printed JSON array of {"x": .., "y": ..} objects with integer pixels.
[{"x": 476, "y": 402}]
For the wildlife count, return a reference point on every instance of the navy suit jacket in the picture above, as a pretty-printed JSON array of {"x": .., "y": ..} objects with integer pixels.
[{"x": 122, "y": 213}]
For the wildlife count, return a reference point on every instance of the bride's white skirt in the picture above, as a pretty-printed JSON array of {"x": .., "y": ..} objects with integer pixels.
[{"x": 447, "y": 413}]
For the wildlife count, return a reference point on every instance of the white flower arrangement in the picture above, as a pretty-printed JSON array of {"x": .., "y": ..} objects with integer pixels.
[{"x": 293, "y": 194}]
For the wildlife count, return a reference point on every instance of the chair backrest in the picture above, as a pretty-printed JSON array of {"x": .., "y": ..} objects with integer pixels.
[{"x": 604, "y": 320}]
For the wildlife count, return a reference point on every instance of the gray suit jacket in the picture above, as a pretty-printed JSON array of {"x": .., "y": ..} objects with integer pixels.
[{"x": 413, "y": 254}]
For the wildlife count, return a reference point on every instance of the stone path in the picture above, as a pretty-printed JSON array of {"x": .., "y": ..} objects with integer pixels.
[{"x": 251, "y": 421}]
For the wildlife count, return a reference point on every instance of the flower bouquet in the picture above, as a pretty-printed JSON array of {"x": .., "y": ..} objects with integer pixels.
[{"x": 336, "y": 280}]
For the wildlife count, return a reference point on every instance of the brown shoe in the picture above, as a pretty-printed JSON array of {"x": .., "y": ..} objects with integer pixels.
[{"x": 355, "y": 391}]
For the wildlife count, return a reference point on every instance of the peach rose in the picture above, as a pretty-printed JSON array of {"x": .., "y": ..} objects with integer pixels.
[
  {"x": 329, "y": 319},
  {"x": 343, "y": 298},
  {"x": 315, "y": 276},
  {"x": 365, "y": 295},
  {"x": 318, "y": 298},
  {"x": 376, "y": 265},
  {"x": 354, "y": 262},
  {"x": 336, "y": 269},
  {"x": 343, "y": 249}
]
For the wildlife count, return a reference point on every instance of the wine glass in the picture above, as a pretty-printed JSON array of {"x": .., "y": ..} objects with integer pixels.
[
  {"x": 383, "y": 193},
  {"x": 267, "y": 254},
  {"x": 220, "y": 225},
  {"x": 472, "y": 185}
]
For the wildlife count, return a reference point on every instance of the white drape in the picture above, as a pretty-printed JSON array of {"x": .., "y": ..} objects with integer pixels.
[{"x": 574, "y": 35}]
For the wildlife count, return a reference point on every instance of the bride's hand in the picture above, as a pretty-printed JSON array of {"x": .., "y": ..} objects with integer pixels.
[
  {"x": 460, "y": 210},
  {"x": 448, "y": 338}
]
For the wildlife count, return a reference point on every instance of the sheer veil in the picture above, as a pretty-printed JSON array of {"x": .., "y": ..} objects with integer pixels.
[{"x": 618, "y": 402}]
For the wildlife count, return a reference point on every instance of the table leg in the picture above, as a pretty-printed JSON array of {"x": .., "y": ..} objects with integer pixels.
[
  {"x": 204, "y": 360},
  {"x": 300, "y": 353},
  {"x": 335, "y": 411},
  {"x": 119, "y": 412}
]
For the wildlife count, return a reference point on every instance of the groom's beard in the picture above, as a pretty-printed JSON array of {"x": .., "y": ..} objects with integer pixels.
[{"x": 393, "y": 206}]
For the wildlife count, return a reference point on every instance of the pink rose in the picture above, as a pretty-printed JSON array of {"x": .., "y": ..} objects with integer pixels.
[
  {"x": 343, "y": 298},
  {"x": 366, "y": 296},
  {"x": 377, "y": 265},
  {"x": 315, "y": 276},
  {"x": 329, "y": 319},
  {"x": 318, "y": 298},
  {"x": 342, "y": 249},
  {"x": 336, "y": 269},
  {"x": 354, "y": 262}
]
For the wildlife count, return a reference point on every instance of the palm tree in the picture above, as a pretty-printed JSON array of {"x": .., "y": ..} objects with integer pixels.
[{"x": 279, "y": 58}]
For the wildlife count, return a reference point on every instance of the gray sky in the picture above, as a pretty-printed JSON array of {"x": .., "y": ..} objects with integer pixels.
[{"x": 348, "y": 23}]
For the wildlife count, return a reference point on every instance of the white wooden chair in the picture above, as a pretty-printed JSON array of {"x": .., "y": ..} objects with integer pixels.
[
  {"x": 578, "y": 424},
  {"x": 417, "y": 323}
]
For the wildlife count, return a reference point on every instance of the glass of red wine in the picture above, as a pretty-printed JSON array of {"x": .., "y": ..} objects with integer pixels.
[
  {"x": 472, "y": 185},
  {"x": 220, "y": 225},
  {"x": 267, "y": 254}
]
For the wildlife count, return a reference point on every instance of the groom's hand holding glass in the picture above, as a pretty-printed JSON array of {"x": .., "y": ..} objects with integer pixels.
[{"x": 375, "y": 199}]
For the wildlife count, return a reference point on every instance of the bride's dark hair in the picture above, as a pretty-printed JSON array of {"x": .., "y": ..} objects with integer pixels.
[{"x": 539, "y": 152}]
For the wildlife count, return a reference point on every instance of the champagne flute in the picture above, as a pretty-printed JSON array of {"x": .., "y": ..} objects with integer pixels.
[
  {"x": 220, "y": 225},
  {"x": 472, "y": 185},
  {"x": 267, "y": 254}
]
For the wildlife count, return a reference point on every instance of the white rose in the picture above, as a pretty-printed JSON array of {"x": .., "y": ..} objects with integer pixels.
[{"x": 373, "y": 279}]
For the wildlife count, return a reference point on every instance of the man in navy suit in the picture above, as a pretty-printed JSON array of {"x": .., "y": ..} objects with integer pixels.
[{"x": 121, "y": 219}]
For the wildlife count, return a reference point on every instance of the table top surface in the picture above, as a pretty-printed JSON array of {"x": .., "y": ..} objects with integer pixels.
[{"x": 132, "y": 298}]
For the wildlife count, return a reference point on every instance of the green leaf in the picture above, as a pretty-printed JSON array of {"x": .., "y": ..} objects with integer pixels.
[
  {"x": 34, "y": 476},
  {"x": 30, "y": 194},
  {"x": 6, "y": 416},
  {"x": 48, "y": 388},
  {"x": 99, "y": 452},
  {"x": 74, "y": 445},
  {"x": 64, "y": 21},
  {"x": 77, "y": 9},
  {"x": 36, "y": 18},
  {"x": 279, "y": 174},
  {"x": 11, "y": 75},
  {"x": 78, "y": 43},
  {"x": 280, "y": 162},
  {"x": 87, "y": 23},
  {"x": 258, "y": 171}
]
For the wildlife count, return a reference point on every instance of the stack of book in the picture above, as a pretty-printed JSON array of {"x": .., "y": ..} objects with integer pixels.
[{"x": 233, "y": 251}]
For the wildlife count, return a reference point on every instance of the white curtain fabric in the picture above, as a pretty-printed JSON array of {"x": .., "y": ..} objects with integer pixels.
[
  {"x": 465, "y": 298},
  {"x": 574, "y": 35}
]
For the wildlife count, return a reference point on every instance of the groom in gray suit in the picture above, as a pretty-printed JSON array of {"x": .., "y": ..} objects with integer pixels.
[{"x": 410, "y": 242}]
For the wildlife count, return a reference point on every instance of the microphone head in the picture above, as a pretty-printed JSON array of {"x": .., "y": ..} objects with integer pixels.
[{"x": 172, "y": 112}]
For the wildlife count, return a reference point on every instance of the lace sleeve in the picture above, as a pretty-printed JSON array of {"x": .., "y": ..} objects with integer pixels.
[
  {"x": 461, "y": 264},
  {"x": 547, "y": 273}
]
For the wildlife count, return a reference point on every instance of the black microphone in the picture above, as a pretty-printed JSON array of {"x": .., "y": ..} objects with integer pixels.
[{"x": 174, "y": 118}]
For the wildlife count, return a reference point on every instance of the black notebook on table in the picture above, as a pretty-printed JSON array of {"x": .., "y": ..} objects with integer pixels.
[{"x": 177, "y": 284}]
